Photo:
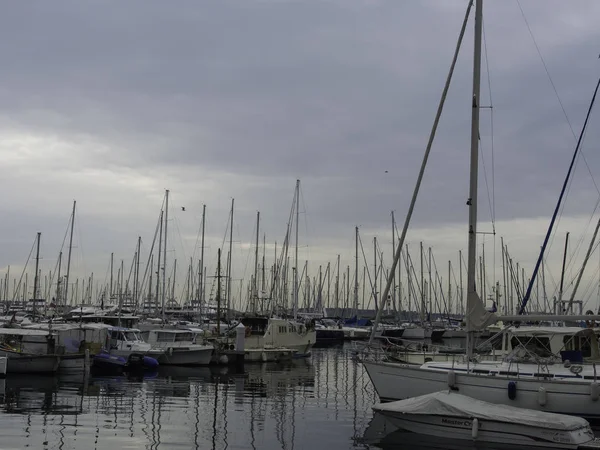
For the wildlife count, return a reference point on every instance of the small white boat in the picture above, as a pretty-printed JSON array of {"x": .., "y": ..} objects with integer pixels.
[
  {"x": 179, "y": 347},
  {"x": 27, "y": 363},
  {"x": 455, "y": 416}
]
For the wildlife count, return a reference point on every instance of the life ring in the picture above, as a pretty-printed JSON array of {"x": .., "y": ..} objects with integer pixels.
[{"x": 248, "y": 331}]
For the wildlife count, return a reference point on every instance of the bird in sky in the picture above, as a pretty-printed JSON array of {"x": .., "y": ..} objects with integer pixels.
[{"x": 183, "y": 208}]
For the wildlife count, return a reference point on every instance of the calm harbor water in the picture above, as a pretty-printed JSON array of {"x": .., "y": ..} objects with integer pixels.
[{"x": 323, "y": 402}]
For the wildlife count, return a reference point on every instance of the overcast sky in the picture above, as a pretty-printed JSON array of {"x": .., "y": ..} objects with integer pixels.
[{"x": 110, "y": 104}]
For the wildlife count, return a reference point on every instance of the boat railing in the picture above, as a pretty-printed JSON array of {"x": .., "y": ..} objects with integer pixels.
[{"x": 391, "y": 348}]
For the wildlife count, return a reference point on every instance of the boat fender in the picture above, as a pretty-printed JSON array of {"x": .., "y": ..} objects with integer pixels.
[
  {"x": 594, "y": 391},
  {"x": 451, "y": 379},
  {"x": 170, "y": 351},
  {"x": 224, "y": 359},
  {"x": 542, "y": 396},
  {"x": 512, "y": 390},
  {"x": 149, "y": 362},
  {"x": 475, "y": 428}
]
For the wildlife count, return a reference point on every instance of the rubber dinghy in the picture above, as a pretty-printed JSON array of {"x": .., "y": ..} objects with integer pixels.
[{"x": 454, "y": 416}]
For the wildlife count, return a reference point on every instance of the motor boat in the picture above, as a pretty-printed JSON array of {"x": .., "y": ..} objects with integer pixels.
[{"x": 453, "y": 416}]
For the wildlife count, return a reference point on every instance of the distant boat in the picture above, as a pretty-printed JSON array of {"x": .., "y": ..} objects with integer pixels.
[
  {"x": 265, "y": 336},
  {"x": 179, "y": 347},
  {"x": 19, "y": 361}
]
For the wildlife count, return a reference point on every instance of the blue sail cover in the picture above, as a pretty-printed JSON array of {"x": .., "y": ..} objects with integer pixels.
[{"x": 356, "y": 322}]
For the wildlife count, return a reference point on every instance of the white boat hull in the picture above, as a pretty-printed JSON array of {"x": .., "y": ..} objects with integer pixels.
[
  {"x": 125, "y": 353},
  {"x": 268, "y": 355},
  {"x": 184, "y": 356},
  {"x": 25, "y": 363},
  {"x": 416, "y": 333},
  {"x": 355, "y": 333},
  {"x": 73, "y": 363},
  {"x": 490, "y": 432},
  {"x": 420, "y": 358},
  {"x": 394, "y": 381}
]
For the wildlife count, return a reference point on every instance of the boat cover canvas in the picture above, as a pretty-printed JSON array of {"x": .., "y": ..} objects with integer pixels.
[{"x": 449, "y": 404}]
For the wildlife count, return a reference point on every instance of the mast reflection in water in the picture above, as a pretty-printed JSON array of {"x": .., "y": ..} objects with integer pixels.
[{"x": 322, "y": 402}]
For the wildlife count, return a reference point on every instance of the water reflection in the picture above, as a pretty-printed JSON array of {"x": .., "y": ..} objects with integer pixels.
[{"x": 323, "y": 402}]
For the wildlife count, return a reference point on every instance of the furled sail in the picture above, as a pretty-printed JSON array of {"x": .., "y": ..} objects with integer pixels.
[{"x": 477, "y": 316}]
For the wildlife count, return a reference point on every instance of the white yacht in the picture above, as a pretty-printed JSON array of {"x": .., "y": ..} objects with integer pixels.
[
  {"x": 273, "y": 338},
  {"x": 123, "y": 342},
  {"x": 179, "y": 347}
]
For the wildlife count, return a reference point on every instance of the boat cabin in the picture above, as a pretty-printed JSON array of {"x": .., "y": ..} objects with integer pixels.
[
  {"x": 37, "y": 342},
  {"x": 125, "y": 320},
  {"x": 569, "y": 343},
  {"x": 170, "y": 338},
  {"x": 118, "y": 338},
  {"x": 255, "y": 326}
]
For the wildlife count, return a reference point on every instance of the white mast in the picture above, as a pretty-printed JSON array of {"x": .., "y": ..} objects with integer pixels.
[
  {"x": 164, "y": 286},
  {"x": 472, "y": 299},
  {"x": 69, "y": 256},
  {"x": 229, "y": 306},
  {"x": 201, "y": 268},
  {"x": 254, "y": 301},
  {"x": 356, "y": 273},
  {"x": 296, "y": 251}
]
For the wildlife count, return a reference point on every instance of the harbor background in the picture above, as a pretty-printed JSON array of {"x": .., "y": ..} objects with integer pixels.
[{"x": 321, "y": 402}]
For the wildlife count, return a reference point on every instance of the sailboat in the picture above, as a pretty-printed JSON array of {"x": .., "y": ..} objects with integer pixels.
[{"x": 539, "y": 385}]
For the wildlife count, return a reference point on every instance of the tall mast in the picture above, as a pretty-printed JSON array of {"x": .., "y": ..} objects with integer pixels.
[
  {"x": 57, "y": 300},
  {"x": 174, "y": 278},
  {"x": 164, "y": 286},
  {"x": 356, "y": 271},
  {"x": 229, "y": 258},
  {"x": 69, "y": 256},
  {"x": 36, "y": 280},
  {"x": 263, "y": 263},
  {"x": 297, "y": 198},
  {"x": 393, "y": 250},
  {"x": 120, "y": 280},
  {"x": 375, "y": 272},
  {"x": 136, "y": 274},
  {"x": 219, "y": 292},
  {"x": 472, "y": 201},
  {"x": 160, "y": 235},
  {"x": 449, "y": 287},
  {"x": 255, "y": 287},
  {"x": 337, "y": 285},
  {"x": 460, "y": 278},
  {"x": 149, "y": 281},
  {"x": 110, "y": 294},
  {"x": 562, "y": 276},
  {"x": 201, "y": 265},
  {"x": 422, "y": 288}
]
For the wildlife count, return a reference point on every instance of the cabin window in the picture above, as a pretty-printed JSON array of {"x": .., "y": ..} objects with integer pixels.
[
  {"x": 579, "y": 343},
  {"x": 130, "y": 336},
  {"x": 180, "y": 337},
  {"x": 163, "y": 337},
  {"x": 537, "y": 345}
]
